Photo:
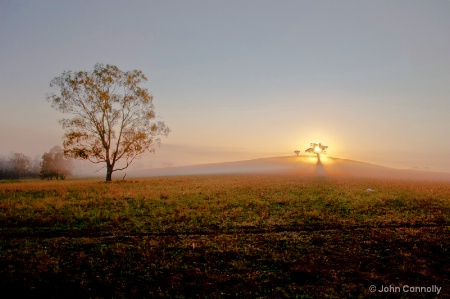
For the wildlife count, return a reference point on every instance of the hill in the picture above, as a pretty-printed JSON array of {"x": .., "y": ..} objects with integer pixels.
[{"x": 301, "y": 165}]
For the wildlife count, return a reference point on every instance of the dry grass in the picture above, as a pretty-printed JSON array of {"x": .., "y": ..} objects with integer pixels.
[{"x": 223, "y": 236}]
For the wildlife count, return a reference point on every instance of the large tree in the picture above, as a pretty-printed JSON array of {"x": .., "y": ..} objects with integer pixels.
[{"x": 112, "y": 116}]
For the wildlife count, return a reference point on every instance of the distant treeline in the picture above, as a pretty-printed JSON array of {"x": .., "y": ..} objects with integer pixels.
[{"x": 53, "y": 164}]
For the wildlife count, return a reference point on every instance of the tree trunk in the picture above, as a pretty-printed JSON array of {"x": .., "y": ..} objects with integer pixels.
[{"x": 109, "y": 170}]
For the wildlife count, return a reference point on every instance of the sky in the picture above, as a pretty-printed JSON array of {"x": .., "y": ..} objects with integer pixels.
[{"x": 244, "y": 79}]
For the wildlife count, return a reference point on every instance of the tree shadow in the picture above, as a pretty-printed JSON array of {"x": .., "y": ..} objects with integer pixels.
[{"x": 320, "y": 171}]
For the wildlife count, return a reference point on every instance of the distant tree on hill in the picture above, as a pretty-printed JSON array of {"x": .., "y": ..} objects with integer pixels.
[
  {"x": 297, "y": 152},
  {"x": 55, "y": 165},
  {"x": 317, "y": 148}
]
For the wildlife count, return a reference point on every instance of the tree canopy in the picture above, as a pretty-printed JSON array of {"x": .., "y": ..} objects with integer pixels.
[
  {"x": 317, "y": 148},
  {"x": 18, "y": 166},
  {"x": 112, "y": 116},
  {"x": 55, "y": 165}
]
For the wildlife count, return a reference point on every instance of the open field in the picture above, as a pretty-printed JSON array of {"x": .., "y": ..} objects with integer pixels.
[{"x": 224, "y": 236}]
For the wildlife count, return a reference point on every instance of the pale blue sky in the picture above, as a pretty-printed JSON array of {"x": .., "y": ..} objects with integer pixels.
[{"x": 245, "y": 79}]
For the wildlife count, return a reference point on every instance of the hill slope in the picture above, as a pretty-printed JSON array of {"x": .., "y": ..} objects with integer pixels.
[{"x": 293, "y": 165}]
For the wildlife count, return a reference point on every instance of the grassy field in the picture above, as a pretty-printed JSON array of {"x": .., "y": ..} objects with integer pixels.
[{"x": 235, "y": 236}]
